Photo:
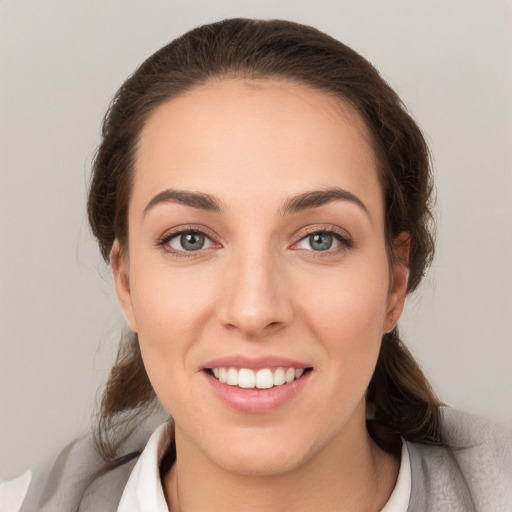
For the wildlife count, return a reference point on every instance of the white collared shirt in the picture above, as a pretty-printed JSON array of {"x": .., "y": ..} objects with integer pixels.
[{"x": 144, "y": 493}]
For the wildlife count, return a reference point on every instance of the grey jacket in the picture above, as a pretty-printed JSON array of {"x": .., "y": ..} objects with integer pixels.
[{"x": 473, "y": 474}]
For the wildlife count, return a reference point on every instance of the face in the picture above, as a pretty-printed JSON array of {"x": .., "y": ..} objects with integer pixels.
[{"x": 256, "y": 274}]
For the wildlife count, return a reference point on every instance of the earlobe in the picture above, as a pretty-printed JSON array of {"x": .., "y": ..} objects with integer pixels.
[
  {"x": 399, "y": 281},
  {"x": 122, "y": 282}
]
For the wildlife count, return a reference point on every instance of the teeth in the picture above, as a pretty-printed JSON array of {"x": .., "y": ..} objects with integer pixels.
[
  {"x": 289, "y": 375},
  {"x": 261, "y": 379},
  {"x": 232, "y": 377},
  {"x": 264, "y": 379},
  {"x": 246, "y": 378},
  {"x": 279, "y": 378}
]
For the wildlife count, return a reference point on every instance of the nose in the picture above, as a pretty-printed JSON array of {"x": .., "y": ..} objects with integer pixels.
[{"x": 254, "y": 296}]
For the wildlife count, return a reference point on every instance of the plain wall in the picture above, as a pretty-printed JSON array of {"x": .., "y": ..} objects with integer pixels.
[{"x": 60, "y": 63}]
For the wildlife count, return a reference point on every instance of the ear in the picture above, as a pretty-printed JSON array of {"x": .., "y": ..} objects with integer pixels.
[
  {"x": 398, "y": 281},
  {"x": 119, "y": 265}
]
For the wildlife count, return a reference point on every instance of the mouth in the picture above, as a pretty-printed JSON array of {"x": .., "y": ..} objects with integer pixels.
[
  {"x": 256, "y": 384},
  {"x": 263, "y": 378}
]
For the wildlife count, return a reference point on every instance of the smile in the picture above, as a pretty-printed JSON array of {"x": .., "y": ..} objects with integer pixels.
[{"x": 264, "y": 378}]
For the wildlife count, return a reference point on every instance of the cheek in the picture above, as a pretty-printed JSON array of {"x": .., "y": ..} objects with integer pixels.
[
  {"x": 167, "y": 299},
  {"x": 171, "y": 309},
  {"x": 347, "y": 300},
  {"x": 346, "y": 312}
]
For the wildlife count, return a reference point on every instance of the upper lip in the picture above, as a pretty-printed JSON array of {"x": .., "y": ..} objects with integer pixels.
[{"x": 254, "y": 363}]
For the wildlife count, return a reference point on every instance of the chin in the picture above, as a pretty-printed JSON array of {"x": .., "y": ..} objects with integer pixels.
[
  {"x": 259, "y": 463},
  {"x": 257, "y": 453}
]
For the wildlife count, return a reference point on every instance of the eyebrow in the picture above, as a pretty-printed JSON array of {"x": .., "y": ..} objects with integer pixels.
[
  {"x": 317, "y": 198},
  {"x": 194, "y": 199},
  {"x": 295, "y": 204}
]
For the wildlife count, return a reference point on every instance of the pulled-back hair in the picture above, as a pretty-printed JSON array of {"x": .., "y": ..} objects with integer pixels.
[{"x": 400, "y": 395}]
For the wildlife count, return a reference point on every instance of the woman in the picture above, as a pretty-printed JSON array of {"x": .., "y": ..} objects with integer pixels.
[{"x": 264, "y": 200}]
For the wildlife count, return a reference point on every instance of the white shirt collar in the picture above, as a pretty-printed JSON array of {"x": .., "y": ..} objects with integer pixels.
[
  {"x": 144, "y": 492},
  {"x": 401, "y": 495}
]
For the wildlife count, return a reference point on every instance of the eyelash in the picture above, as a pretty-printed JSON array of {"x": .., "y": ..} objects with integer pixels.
[
  {"x": 163, "y": 242},
  {"x": 344, "y": 240}
]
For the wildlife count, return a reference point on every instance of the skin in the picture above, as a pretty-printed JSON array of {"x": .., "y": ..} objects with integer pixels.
[{"x": 259, "y": 288}]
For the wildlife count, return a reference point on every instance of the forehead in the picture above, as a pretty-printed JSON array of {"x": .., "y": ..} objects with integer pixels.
[{"x": 268, "y": 137}]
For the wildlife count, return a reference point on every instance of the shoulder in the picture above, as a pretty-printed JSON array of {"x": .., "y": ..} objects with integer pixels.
[
  {"x": 472, "y": 472},
  {"x": 464, "y": 431},
  {"x": 78, "y": 477}
]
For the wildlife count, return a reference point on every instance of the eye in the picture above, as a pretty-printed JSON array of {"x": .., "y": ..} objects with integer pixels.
[
  {"x": 324, "y": 240},
  {"x": 187, "y": 241},
  {"x": 320, "y": 241}
]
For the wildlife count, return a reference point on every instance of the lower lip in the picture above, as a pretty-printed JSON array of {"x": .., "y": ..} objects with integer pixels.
[{"x": 256, "y": 400}]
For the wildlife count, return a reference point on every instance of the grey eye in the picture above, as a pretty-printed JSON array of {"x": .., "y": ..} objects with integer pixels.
[
  {"x": 190, "y": 241},
  {"x": 320, "y": 241}
]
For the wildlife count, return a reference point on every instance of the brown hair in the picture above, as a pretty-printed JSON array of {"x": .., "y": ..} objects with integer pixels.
[{"x": 399, "y": 392}]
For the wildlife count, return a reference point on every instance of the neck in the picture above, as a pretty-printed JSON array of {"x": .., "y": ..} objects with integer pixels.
[{"x": 350, "y": 473}]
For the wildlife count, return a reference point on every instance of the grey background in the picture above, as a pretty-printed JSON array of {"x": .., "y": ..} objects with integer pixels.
[{"x": 60, "y": 63}]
